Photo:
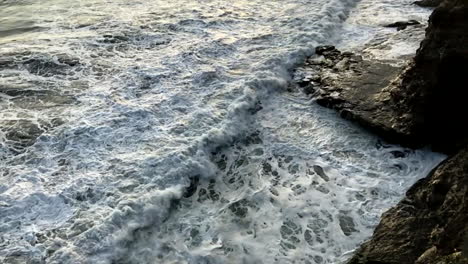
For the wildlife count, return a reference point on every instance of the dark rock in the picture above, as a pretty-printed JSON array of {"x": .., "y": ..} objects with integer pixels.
[
  {"x": 429, "y": 225},
  {"x": 428, "y": 3},
  {"x": 320, "y": 50},
  {"x": 356, "y": 88},
  {"x": 433, "y": 90},
  {"x": 420, "y": 105},
  {"x": 304, "y": 82},
  {"x": 329, "y": 52},
  {"x": 400, "y": 25}
]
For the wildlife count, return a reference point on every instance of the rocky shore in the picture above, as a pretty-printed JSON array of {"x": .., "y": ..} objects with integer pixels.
[
  {"x": 429, "y": 225},
  {"x": 421, "y": 103}
]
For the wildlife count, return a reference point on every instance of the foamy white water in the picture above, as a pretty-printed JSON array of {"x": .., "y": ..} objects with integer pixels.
[{"x": 165, "y": 134}]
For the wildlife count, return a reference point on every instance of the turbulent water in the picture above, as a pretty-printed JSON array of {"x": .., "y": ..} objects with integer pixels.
[{"x": 164, "y": 132}]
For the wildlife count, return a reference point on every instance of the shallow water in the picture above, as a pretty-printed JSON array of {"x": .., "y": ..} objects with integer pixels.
[{"x": 156, "y": 132}]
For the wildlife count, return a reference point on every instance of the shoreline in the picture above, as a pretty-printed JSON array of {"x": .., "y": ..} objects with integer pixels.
[
  {"x": 396, "y": 102},
  {"x": 276, "y": 146}
]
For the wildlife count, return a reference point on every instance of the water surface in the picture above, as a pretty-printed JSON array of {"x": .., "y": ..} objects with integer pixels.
[{"x": 164, "y": 132}]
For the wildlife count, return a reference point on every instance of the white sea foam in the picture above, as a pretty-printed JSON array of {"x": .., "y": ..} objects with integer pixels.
[{"x": 165, "y": 135}]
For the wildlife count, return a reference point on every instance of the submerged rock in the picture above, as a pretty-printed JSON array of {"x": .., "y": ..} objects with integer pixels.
[
  {"x": 400, "y": 25},
  {"x": 429, "y": 225}
]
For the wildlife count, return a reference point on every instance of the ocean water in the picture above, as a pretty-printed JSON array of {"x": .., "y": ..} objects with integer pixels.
[{"x": 165, "y": 132}]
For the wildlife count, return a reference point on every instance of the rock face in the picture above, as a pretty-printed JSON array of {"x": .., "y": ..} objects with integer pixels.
[
  {"x": 434, "y": 89},
  {"x": 430, "y": 225},
  {"x": 426, "y": 104},
  {"x": 423, "y": 105}
]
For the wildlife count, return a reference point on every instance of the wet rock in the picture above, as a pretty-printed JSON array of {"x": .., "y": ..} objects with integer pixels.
[
  {"x": 432, "y": 92},
  {"x": 428, "y": 3},
  {"x": 329, "y": 52},
  {"x": 429, "y": 225},
  {"x": 413, "y": 106},
  {"x": 321, "y": 50},
  {"x": 356, "y": 88},
  {"x": 421, "y": 104},
  {"x": 400, "y": 25}
]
